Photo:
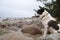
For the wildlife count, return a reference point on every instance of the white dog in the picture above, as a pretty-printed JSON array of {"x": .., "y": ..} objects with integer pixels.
[{"x": 48, "y": 21}]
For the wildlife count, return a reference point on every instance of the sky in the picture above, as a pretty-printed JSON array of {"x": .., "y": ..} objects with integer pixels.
[{"x": 18, "y": 8}]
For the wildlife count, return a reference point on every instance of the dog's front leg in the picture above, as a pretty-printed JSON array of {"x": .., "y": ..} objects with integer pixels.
[{"x": 45, "y": 32}]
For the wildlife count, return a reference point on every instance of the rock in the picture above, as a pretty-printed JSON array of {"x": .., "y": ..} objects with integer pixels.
[
  {"x": 19, "y": 24},
  {"x": 3, "y": 25},
  {"x": 14, "y": 28},
  {"x": 4, "y": 31},
  {"x": 30, "y": 29},
  {"x": 15, "y": 36},
  {"x": 50, "y": 37},
  {"x": 53, "y": 36},
  {"x": 5, "y": 19}
]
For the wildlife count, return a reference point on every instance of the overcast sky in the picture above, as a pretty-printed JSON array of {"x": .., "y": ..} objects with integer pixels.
[{"x": 18, "y": 8}]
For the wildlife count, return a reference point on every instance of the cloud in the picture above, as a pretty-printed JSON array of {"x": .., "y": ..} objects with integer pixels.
[{"x": 18, "y": 8}]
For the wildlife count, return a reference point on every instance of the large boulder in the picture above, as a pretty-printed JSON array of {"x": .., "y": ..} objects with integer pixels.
[
  {"x": 15, "y": 36},
  {"x": 50, "y": 37},
  {"x": 31, "y": 29}
]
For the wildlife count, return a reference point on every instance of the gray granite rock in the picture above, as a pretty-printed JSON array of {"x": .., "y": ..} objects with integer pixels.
[{"x": 50, "y": 37}]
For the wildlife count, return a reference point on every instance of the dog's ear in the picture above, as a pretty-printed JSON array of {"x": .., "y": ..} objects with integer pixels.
[{"x": 40, "y": 11}]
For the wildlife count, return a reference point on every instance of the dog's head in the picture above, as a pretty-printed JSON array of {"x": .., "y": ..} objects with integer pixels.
[{"x": 40, "y": 11}]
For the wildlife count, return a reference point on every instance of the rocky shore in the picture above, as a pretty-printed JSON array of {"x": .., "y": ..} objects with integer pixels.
[{"x": 23, "y": 29}]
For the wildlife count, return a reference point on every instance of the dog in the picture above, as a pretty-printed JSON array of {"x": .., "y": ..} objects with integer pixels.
[{"x": 48, "y": 21}]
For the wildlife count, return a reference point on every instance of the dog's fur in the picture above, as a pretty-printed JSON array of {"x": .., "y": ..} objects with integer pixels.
[{"x": 48, "y": 21}]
